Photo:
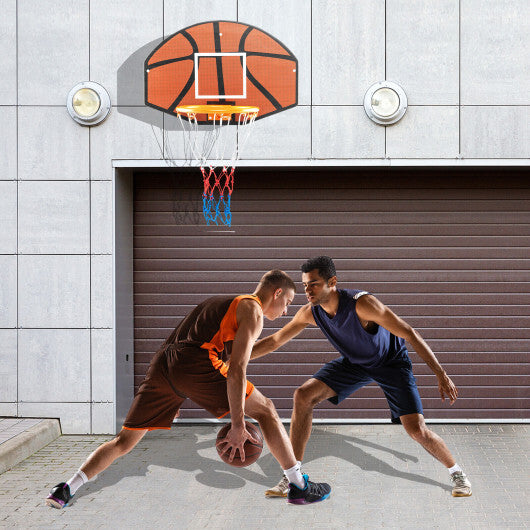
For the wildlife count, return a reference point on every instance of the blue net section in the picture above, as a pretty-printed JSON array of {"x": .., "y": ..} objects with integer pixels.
[{"x": 216, "y": 196}]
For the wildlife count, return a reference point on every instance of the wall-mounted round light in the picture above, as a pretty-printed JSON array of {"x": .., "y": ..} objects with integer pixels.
[
  {"x": 385, "y": 103},
  {"x": 88, "y": 103}
]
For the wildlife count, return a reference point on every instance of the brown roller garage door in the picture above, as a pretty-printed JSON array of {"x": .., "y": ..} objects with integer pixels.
[{"x": 447, "y": 249}]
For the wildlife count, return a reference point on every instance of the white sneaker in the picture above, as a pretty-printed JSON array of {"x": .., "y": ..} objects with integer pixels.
[
  {"x": 280, "y": 490},
  {"x": 461, "y": 485}
]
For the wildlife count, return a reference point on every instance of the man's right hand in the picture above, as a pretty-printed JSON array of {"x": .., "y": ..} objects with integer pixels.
[{"x": 234, "y": 441}]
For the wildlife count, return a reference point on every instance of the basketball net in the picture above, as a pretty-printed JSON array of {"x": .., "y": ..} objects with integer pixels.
[{"x": 216, "y": 148}]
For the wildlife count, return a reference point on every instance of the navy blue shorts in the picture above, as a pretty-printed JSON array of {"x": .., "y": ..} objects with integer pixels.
[{"x": 395, "y": 378}]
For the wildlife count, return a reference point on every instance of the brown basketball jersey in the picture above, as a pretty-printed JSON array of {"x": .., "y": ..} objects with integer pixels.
[
  {"x": 190, "y": 364},
  {"x": 212, "y": 325}
]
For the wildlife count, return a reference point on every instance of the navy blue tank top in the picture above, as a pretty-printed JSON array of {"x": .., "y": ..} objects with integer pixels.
[{"x": 351, "y": 340}]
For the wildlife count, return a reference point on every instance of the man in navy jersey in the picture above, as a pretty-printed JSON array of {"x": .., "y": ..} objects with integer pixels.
[{"x": 371, "y": 341}]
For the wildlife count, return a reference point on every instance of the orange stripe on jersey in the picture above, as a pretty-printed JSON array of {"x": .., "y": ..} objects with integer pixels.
[{"x": 227, "y": 329}]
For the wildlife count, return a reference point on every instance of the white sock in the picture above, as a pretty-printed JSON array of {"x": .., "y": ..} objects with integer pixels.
[
  {"x": 299, "y": 465},
  {"x": 454, "y": 469},
  {"x": 294, "y": 475},
  {"x": 77, "y": 481}
]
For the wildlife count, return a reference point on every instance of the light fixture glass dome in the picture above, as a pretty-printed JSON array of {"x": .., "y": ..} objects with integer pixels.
[
  {"x": 385, "y": 103},
  {"x": 88, "y": 103}
]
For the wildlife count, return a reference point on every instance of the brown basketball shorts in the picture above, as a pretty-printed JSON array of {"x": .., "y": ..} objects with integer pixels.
[{"x": 173, "y": 376}]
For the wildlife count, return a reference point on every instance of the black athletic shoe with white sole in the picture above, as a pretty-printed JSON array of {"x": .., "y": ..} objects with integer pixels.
[
  {"x": 313, "y": 492},
  {"x": 59, "y": 496}
]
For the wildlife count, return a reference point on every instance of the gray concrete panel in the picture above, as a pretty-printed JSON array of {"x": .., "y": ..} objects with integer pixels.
[
  {"x": 8, "y": 409},
  {"x": 424, "y": 132},
  {"x": 180, "y": 15},
  {"x": 8, "y": 52},
  {"x": 52, "y": 50},
  {"x": 75, "y": 417},
  {"x": 290, "y": 23},
  {"x": 283, "y": 135},
  {"x": 103, "y": 418},
  {"x": 117, "y": 30},
  {"x": 8, "y": 217},
  {"x": 102, "y": 361},
  {"x": 51, "y": 146},
  {"x": 8, "y": 292},
  {"x": 422, "y": 49},
  {"x": 55, "y": 365},
  {"x": 101, "y": 292},
  {"x": 8, "y": 365},
  {"x": 348, "y": 50},
  {"x": 495, "y": 132},
  {"x": 121, "y": 136},
  {"x": 346, "y": 132},
  {"x": 8, "y": 145},
  {"x": 101, "y": 220},
  {"x": 53, "y": 217},
  {"x": 495, "y": 63},
  {"x": 54, "y": 291}
]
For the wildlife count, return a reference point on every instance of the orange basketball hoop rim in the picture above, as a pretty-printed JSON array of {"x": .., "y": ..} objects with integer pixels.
[
  {"x": 219, "y": 112},
  {"x": 216, "y": 153}
]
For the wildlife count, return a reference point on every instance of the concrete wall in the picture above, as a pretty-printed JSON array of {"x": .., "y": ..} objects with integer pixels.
[{"x": 463, "y": 64}]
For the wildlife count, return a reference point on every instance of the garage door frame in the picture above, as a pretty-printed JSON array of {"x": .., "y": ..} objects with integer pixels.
[{"x": 123, "y": 266}]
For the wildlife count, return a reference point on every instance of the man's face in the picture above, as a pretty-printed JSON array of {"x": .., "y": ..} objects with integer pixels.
[
  {"x": 281, "y": 301},
  {"x": 317, "y": 290}
]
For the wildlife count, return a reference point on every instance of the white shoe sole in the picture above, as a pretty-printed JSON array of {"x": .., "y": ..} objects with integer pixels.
[{"x": 458, "y": 494}]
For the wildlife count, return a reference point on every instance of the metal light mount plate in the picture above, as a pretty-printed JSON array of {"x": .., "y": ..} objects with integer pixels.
[{"x": 104, "y": 104}]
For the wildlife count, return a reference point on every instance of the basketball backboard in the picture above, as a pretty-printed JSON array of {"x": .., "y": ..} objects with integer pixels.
[{"x": 221, "y": 62}]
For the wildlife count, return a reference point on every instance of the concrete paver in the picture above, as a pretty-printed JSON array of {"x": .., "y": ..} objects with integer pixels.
[{"x": 380, "y": 478}]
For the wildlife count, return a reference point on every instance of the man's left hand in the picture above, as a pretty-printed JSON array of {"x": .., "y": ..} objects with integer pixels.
[{"x": 447, "y": 388}]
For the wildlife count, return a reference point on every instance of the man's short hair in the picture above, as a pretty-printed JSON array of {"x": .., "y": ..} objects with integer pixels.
[
  {"x": 277, "y": 279},
  {"x": 324, "y": 264}
]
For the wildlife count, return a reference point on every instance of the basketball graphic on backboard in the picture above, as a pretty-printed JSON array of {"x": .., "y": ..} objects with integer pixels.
[{"x": 221, "y": 62}]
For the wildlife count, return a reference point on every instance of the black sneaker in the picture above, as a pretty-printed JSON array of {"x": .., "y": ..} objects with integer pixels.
[
  {"x": 59, "y": 496},
  {"x": 312, "y": 492}
]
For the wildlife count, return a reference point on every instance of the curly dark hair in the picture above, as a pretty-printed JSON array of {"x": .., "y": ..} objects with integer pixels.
[{"x": 324, "y": 264}]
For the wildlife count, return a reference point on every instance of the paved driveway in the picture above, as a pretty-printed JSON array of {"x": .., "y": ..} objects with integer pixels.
[{"x": 379, "y": 476}]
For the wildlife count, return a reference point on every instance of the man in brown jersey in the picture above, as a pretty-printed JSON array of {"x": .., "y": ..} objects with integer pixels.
[{"x": 192, "y": 363}]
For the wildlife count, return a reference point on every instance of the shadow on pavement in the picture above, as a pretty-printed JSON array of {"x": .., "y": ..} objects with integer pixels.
[
  {"x": 347, "y": 448},
  {"x": 155, "y": 450}
]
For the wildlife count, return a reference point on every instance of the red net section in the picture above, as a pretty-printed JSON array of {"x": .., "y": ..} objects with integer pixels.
[{"x": 218, "y": 187}]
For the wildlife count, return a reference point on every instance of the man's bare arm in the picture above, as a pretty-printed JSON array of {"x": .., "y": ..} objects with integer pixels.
[
  {"x": 250, "y": 324},
  {"x": 250, "y": 319},
  {"x": 369, "y": 308},
  {"x": 300, "y": 321}
]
